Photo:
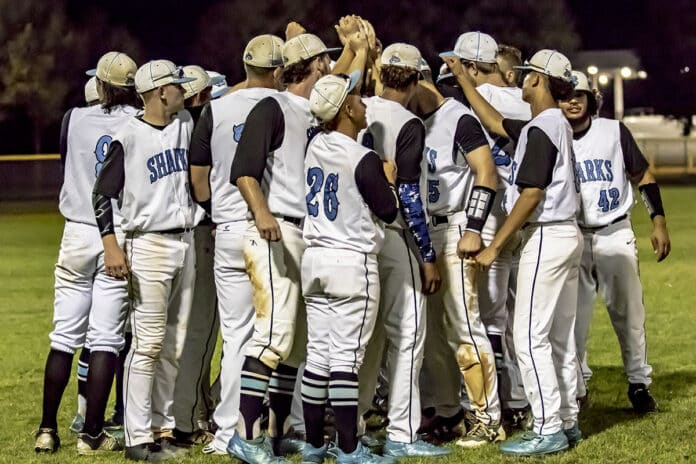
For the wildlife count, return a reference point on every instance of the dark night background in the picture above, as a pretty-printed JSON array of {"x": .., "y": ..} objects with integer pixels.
[{"x": 43, "y": 65}]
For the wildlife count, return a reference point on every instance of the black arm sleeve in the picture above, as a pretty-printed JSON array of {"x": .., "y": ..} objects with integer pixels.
[
  {"x": 635, "y": 162},
  {"x": 539, "y": 160},
  {"x": 63, "y": 143},
  {"x": 112, "y": 175},
  {"x": 263, "y": 132},
  {"x": 469, "y": 135},
  {"x": 514, "y": 127},
  {"x": 200, "y": 154},
  {"x": 375, "y": 189},
  {"x": 103, "y": 212},
  {"x": 409, "y": 151}
]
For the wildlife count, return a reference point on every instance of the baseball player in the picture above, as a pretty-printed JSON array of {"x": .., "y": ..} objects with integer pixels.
[
  {"x": 348, "y": 195},
  {"x": 507, "y": 58},
  {"x": 461, "y": 193},
  {"x": 89, "y": 306},
  {"x": 542, "y": 200},
  {"x": 91, "y": 94},
  {"x": 398, "y": 135},
  {"x": 213, "y": 149},
  {"x": 268, "y": 169},
  {"x": 608, "y": 161},
  {"x": 147, "y": 169},
  {"x": 479, "y": 55},
  {"x": 193, "y": 401}
]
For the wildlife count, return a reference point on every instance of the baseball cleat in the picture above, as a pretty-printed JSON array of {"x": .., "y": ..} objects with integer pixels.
[
  {"x": 287, "y": 445},
  {"x": 169, "y": 446},
  {"x": 151, "y": 452},
  {"x": 574, "y": 435},
  {"x": 419, "y": 447},
  {"x": 104, "y": 442},
  {"x": 481, "y": 434},
  {"x": 77, "y": 424},
  {"x": 312, "y": 455},
  {"x": 518, "y": 418},
  {"x": 210, "y": 448},
  {"x": 47, "y": 441},
  {"x": 188, "y": 439},
  {"x": 533, "y": 444},
  {"x": 255, "y": 451},
  {"x": 641, "y": 399},
  {"x": 362, "y": 455}
]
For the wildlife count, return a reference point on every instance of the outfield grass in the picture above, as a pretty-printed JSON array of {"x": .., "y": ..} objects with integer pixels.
[{"x": 29, "y": 239}]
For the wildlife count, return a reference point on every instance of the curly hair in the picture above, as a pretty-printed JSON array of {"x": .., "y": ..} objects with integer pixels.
[
  {"x": 398, "y": 77},
  {"x": 560, "y": 89},
  {"x": 113, "y": 96}
]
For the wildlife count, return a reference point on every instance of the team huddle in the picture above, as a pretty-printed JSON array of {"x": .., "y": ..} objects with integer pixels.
[{"x": 366, "y": 236}]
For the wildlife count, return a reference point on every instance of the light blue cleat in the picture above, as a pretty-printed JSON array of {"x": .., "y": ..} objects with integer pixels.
[
  {"x": 574, "y": 435},
  {"x": 533, "y": 444},
  {"x": 256, "y": 451},
  {"x": 312, "y": 455},
  {"x": 77, "y": 424},
  {"x": 362, "y": 455},
  {"x": 419, "y": 447}
]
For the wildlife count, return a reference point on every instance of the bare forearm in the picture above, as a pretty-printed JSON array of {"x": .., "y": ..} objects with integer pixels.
[
  {"x": 253, "y": 195},
  {"x": 527, "y": 202},
  {"x": 343, "y": 64}
]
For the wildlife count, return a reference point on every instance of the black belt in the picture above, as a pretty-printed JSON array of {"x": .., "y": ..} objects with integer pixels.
[
  {"x": 179, "y": 230},
  {"x": 594, "y": 229},
  {"x": 292, "y": 220},
  {"x": 437, "y": 220}
]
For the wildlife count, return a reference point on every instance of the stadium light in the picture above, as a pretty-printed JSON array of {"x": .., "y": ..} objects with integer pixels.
[
  {"x": 642, "y": 74},
  {"x": 603, "y": 79},
  {"x": 626, "y": 72},
  {"x": 592, "y": 70}
]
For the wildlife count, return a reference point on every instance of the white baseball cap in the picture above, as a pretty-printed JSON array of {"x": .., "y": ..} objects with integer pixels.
[
  {"x": 157, "y": 73},
  {"x": 402, "y": 55},
  {"x": 201, "y": 82},
  {"x": 445, "y": 73},
  {"x": 115, "y": 68},
  {"x": 219, "y": 83},
  {"x": 475, "y": 46},
  {"x": 91, "y": 94},
  {"x": 264, "y": 51},
  {"x": 329, "y": 93},
  {"x": 304, "y": 47},
  {"x": 582, "y": 83},
  {"x": 551, "y": 63}
]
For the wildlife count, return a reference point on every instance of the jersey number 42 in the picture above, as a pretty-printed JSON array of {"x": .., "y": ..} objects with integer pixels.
[{"x": 315, "y": 181}]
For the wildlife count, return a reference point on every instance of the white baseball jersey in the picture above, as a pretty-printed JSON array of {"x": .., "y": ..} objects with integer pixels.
[
  {"x": 283, "y": 178},
  {"x": 508, "y": 102},
  {"x": 604, "y": 185},
  {"x": 90, "y": 132},
  {"x": 449, "y": 175},
  {"x": 561, "y": 199},
  {"x": 229, "y": 114},
  {"x": 156, "y": 194},
  {"x": 385, "y": 119},
  {"x": 337, "y": 216}
]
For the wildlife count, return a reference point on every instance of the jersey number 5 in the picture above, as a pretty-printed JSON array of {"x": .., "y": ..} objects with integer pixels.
[
  {"x": 100, "y": 152},
  {"x": 315, "y": 181}
]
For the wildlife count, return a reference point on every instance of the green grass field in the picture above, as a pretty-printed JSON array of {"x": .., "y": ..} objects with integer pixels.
[{"x": 30, "y": 236}]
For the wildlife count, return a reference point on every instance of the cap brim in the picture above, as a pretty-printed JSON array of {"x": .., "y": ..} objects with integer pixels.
[
  {"x": 442, "y": 77},
  {"x": 182, "y": 80},
  {"x": 220, "y": 92},
  {"x": 217, "y": 80},
  {"x": 91, "y": 72},
  {"x": 333, "y": 50},
  {"x": 353, "y": 79},
  {"x": 449, "y": 54},
  {"x": 526, "y": 68}
]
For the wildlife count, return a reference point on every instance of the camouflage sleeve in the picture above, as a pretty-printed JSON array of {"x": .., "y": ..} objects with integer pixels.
[{"x": 412, "y": 210}]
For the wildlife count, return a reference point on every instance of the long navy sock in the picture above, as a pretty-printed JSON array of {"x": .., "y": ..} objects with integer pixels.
[
  {"x": 343, "y": 396},
  {"x": 497, "y": 345},
  {"x": 82, "y": 371},
  {"x": 102, "y": 365},
  {"x": 280, "y": 390},
  {"x": 118, "y": 379},
  {"x": 56, "y": 377},
  {"x": 315, "y": 391},
  {"x": 255, "y": 378}
]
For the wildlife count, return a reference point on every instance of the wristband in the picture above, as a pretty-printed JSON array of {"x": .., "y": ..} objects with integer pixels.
[
  {"x": 652, "y": 199},
  {"x": 479, "y": 207}
]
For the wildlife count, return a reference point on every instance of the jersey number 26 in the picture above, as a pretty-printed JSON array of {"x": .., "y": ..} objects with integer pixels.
[{"x": 315, "y": 181}]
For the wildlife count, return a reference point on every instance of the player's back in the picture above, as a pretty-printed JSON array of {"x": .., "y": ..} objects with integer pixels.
[
  {"x": 506, "y": 100},
  {"x": 385, "y": 119},
  {"x": 89, "y": 133},
  {"x": 229, "y": 114},
  {"x": 337, "y": 215}
]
